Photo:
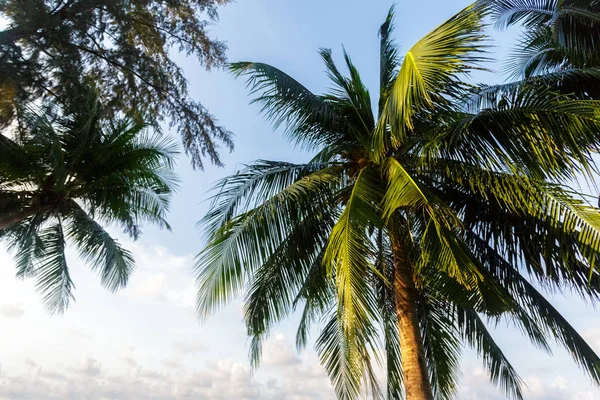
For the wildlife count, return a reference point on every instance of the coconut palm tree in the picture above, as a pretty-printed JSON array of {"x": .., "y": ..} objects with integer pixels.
[
  {"x": 558, "y": 34},
  {"x": 559, "y": 45},
  {"x": 63, "y": 173},
  {"x": 411, "y": 228}
]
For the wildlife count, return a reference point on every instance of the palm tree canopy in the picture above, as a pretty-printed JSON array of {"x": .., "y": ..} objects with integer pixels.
[
  {"x": 558, "y": 34},
  {"x": 454, "y": 180},
  {"x": 66, "y": 172}
]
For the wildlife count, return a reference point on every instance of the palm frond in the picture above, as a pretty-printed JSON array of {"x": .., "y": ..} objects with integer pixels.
[
  {"x": 246, "y": 240},
  {"x": 310, "y": 120},
  {"x": 432, "y": 66},
  {"x": 501, "y": 372},
  {"x": 293, "y": 270},
  {"x": 442, "y": 346},
  {"x": 541, "y": 311},
  {"x": 349, "y": 257},
  {"x": 52, "y": 273},
  {"x": 347, "y": 360},
  {"x": 252, "y": 185},
  {"x": 104, "y": 253},
  {"x": 389, "y": 61},
  {"x": 532, "y": 12},
  {"x": 530, "y": 131}
]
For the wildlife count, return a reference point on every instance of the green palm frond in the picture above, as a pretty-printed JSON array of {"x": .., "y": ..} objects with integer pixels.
[
  {"x": 349, "y": 257},
  {"x": 389, "y": 60},
  {"x": 541, "y": 311},
  {"x": 310, "y": 120},
  {"x": 440, "y": 244},
  {"x": 432, "y": 67},
  {"x": 348, "y": 361},
  {"x": 67, "y": 169},
  {"x": 501, "y": 372},
  {"x": 52, "y": 276},
  {"x": 350, "y": 254},
  {"x": 244, "y": 241},
  {"x": 442, "y": 347},
  {"x": 104, "y": 253}
]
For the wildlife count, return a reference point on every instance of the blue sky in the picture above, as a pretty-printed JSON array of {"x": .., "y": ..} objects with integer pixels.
[{"x": 145, "y": 342}]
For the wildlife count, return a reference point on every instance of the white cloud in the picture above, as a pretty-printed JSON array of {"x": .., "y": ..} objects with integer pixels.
[
  {"x": 12, "y": 310},
  {"x": 153, "y": 287},
  {"x": 188, "y": 346},
  {"x": 162, "y": 277},
  {"x": 220, "y": 380},
  {"x": 278, "y": 353},
  {"x": 476, "y": 385},
  {"x": 89, "y": 367},
  {"x": 592, "y": 337}
]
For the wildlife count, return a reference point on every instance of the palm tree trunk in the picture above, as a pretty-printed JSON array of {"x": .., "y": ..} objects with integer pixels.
[
  {"x": 416, "y": 378},
  {"x": 14, "y": 218}
]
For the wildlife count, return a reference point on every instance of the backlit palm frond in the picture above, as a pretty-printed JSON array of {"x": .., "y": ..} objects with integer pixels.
[
  {"x": 350, "y": 257},
  {"x": 252, "y": 185},
  {"x": 245, "y": 241},
  {"x": 557, "y": 33},
  {"x": 541, "y": 311},
  {"x": 24, "y": 239},
  {"x": 348, "y": 360},
  {"x": 389, "y": 59},
  {"x": 318, "y": 293},
  {"x": 105, "y": 254},
  {"x": 529, "y": 131},
  {"x": 442, "y": 346},
  {"x": 530, "y": 12},
  {"x": 515, "y": 210},
  {"x": 430, "y": 70},
  {"x": 499, "y": 368},
  {"x": 577, "y": 83},
  {"x": 351, "y": 97},
  {"x": 52, "y": 276},
  {"x": 535, "y": 55},
  {"x": 293, "y": 272},
  {"x": 310, "y": 120},
  {"x": 68, "y": 168}
]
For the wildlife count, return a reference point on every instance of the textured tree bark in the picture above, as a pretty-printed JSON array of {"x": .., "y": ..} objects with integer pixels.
[{"x": 416, "y": 378}]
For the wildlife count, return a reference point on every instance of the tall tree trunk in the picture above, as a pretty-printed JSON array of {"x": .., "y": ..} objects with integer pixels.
[
  {"x": 416, "y": 378},
  {"x": 14, "y": 218}
]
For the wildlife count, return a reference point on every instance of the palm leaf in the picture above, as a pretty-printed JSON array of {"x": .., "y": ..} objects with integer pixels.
[
  {"x": 501, "y": 371},
  {"x": 51, "y": 273},
  {"x": 432, "y": 65},
  {"x": 310, "y": 120},
  {"x": 104, "y": 253},
  {"x": 241, "y": 245}
]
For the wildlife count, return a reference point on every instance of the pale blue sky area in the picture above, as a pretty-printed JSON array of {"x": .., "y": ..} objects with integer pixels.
[{"x": 145, "y": 342}]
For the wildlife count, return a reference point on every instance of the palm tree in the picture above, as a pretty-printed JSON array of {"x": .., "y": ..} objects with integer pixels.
[
  {"x": 410, "y": 228},
  {"x": 560, "y": 44},
  {"x": 63, "y": 173}
]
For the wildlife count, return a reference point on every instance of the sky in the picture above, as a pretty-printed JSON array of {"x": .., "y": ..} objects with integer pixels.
[{"x": 145, "y": 342}]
